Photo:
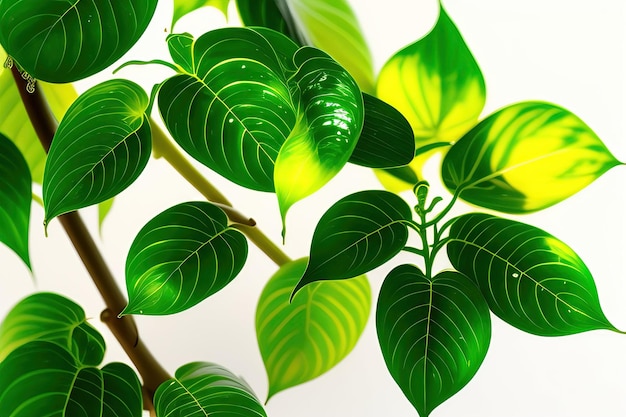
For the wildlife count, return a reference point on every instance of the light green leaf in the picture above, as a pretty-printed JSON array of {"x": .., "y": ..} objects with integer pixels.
[
  {"x": 103, "y": 210},
  {"x": 52, "y": 318},
  {"x": 101, "y": 146},
  {"x": 530, "y": 279},
  {"x": 43, "y": 379},
  {"x": 206, "y": 389},
  {"x": 181, "y": 257},
  {"x": 300, "y": 341},
  {"x": 434, "y": 333},
  {"x": 436, "y": 83},
  {"x": 64, "y": 41},
  {"x": 15, "y": 196},
  {"x": 249, "y": 99},
  {"x": 14, "y": 121},
  {"x": 524, "y": 158},
  {"x": 386, "y": 140},
  {"x": 183, "y": 7},
  {"x": 357, "y": 234}
]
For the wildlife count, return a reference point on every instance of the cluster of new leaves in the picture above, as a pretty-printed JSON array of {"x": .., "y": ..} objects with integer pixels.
[{"x": 269, "y": 112}]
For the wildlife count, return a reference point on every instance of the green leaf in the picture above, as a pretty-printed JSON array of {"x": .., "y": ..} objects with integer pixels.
[
  {"x": 206, "y": 389},
  {"x": 180, "y": 257},
  {"x": 524, "y": 158},
  {"x": 52, "y": 318},
  {"x": 43, "y": 379},
  {"x": 530, "y": 279},
  {"x": 101, "y": 146},
  {"x": 434, "y": 333},
  {"x": 386, "y": 139},
  {"x": 300, "y": 341},
  {"x": 436, "y": 83},
  {"x": 15, "y": 196},
  {"x": 267, "y": 13},
  {"x": 183, "y": 7},
  {"x": 357, "y": 234},
  {"x": 249, "y": 99},
  {"x": 15, "y": 123},
  {"x": 64, "y": 41},
  {"x": 103, "y": 210}
]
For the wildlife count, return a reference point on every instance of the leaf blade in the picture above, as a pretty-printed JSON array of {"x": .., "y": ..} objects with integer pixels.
[
  {"x": 434, "y": 333},
  {"x": 180, "y": 257},
  {"x": 531, "y": 155},
  {"x": 183, "y": 7},
  {"x": 303, "y": 339},
  {"x": 529, "y": 278}
]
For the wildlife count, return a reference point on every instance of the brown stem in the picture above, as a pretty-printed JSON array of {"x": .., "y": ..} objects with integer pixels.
[{"x": 124, "y": 329}]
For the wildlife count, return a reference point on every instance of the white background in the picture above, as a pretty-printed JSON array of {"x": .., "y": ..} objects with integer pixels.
[{"x": 570, "y": 52}]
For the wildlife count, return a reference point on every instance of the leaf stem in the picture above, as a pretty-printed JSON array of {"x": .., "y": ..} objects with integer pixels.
[
  {"x": 163, "y": 147},
  {"x": 124, "y": 329}
]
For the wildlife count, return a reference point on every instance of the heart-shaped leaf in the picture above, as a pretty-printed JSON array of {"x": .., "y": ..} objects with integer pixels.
[
  {"x": 530, "y": 279},
  {"x": 64, "y": 41},
  {"x": 436, "y": 83},
  {"x": 101, "y": 146},
  {"x": 14, "y": 122},
  {"x": 386, "y": 140},
  {"x": 524, "y": 158},
  {"x": 300, "y": 341},
  {"x": 206, "y": 389},
  {"x": 43, "y": 379},
  {"x": 357, "y": 234},
  {"x": 15, "y": 196},
  {"x": 183, "y": 7},
  {"x": 434, "y": 333},
  {"x": 52, "y": 318},
  {"x": 249, "y": 99},
  {"x": 329, "y": 25},
  {"x": 180, "y": 257}
]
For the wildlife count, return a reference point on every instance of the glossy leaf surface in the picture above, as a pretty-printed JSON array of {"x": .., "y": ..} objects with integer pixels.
[
  {"x": 206, "y": 389},
  {"x": 434, "y": 333},
  {"x": 15, "y": 197},
  {"x": 436, "y": 83},
  {"x": 386, "y": 140},
  {"x": 357, "y": 234},
  {"x": 64, "y": 41},
  {"x": 52, "y": 318},
  {"x": 530, "y": 279},
  {"x": 43, "y": 379},
  {"x": 183, "y": 7},
  {"x": 249, "y": 99},
  {"x": 524, "y": 158},
  {"x": 180, "y": 257},
  {"x": 14, "y": 122},
  {"x": 301, "y": 340},
  {"x": 101, "y": 146}
]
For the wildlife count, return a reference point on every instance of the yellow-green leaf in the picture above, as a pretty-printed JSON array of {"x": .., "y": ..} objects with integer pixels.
[
  {"x": 524, "y": 158},
  {"x": 301, "y": 340},
  {"x": 182, "y": 7}
]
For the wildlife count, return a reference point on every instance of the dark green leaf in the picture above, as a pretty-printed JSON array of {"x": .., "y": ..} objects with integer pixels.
[
  {"x": 101, "y": 146},
  {"x": 180, "y": 257},
  {"x": 299, "y": 341},
  {"x": 357, "y": 234},
  {"x": 52, "y": 318},
  {"x": 530, "y": 279},
  {"x": 386, "y": 139},
  {"x": 43, "y": 379},
  {"x": 436, "y": 83},
  {"x": 434, "y": 333},
  {"x": 206, "y": 389},
  {"x": 524, "y": 158},
  {"x": 183, "y": 7},
  {"x": 254, "y": 100},
  {"x": 15, "y": 196},
  {"x": 266, "y": 13},
  {"x": 64, "y": 41}
]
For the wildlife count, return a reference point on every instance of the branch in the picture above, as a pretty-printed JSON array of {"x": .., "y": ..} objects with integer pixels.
[{"x": 124, "y": 329}]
